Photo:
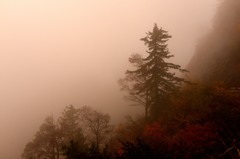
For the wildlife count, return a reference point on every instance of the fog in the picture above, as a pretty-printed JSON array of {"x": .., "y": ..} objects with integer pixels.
[
  {"x": 217, "y": 53},
  {"x": 56, "y": 53}
]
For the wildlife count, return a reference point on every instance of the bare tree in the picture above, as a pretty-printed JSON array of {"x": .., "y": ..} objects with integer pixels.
[
  {"x": 97, "y": 124},
  {"x": 132, "y": 83}
]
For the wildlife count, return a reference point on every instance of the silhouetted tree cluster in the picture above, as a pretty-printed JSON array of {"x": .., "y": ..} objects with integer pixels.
[
  {"x": 45, "y": 144},
  {"x": 70, "y": 135}
]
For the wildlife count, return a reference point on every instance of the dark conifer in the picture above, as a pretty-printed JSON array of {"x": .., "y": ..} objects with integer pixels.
[{"x": 155, "y": 76}]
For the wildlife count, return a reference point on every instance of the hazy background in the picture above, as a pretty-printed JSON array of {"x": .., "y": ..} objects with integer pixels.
[{"x": 54, "y": 53}]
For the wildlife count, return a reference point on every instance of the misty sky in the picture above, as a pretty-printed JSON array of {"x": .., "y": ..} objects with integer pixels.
[{"x": 54, "y": 53}]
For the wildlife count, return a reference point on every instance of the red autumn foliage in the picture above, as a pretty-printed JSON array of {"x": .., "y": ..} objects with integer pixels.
[
  {"x": 154, "y": 134},
  {"x": 196, "y": 137}
]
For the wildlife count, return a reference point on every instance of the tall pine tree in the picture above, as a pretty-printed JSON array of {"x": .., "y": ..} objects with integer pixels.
[{"x": 157, "y": 76}]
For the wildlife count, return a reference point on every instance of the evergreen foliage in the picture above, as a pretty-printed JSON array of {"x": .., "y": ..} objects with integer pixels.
[
  {"x": 69, "y": 126},
  {"x": 154, "y": 78},
  {"x": 45, "y": 143}
]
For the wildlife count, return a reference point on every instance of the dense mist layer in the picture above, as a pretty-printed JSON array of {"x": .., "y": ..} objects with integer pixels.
[
  {"x": 217, "y": 55},
  {"x": 54, "y": 53}
]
